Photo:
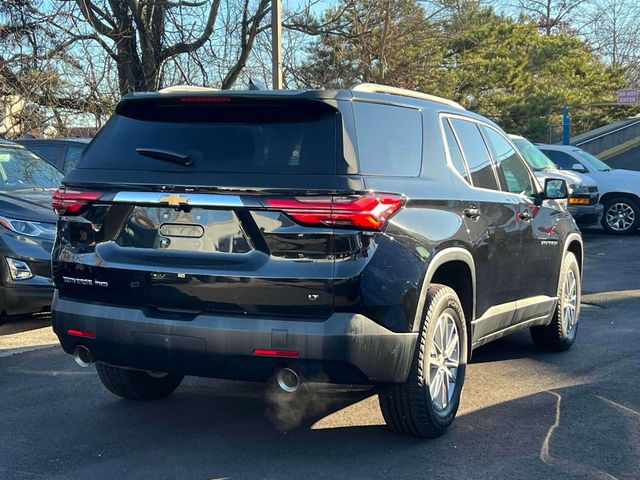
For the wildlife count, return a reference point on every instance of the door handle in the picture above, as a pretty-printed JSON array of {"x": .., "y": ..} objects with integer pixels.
[
  {"x": 524, "y": 216},
  {"x": 472, "y": 212}
]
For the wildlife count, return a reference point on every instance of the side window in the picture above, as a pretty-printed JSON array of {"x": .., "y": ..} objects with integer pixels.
[
  {"x": 561, "y": 159},
  {"x": 476, "y": 154},
  {"x": 511, "y": 168},
  {"x": 49, "y": 153},
  {"x": 72, "y": 157},
  {"x": 454, "y": 150},
  {"x": 389, "y": 139}
]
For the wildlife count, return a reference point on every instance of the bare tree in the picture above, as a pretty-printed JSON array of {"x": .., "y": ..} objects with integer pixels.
[
  {"x": 551, "y": 15},
  {"x": 35, "y": 59},
  {"x": 141, "y": 36},
  {"x": 614, "y": 34}
]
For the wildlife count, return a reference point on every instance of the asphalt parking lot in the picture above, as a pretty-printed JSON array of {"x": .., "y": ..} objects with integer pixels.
[{"x": 524, "y": 414}]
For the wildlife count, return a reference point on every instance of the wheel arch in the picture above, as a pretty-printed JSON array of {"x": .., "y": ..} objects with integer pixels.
[
  {"x": 574, "y": 244},
  {"x": 455, "y": 268},
  {"x": 609, "y": 195}
]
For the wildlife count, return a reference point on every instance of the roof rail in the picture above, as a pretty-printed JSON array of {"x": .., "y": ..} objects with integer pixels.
[
  {"x": 375, "y": 88},
  {"x": 187, "y": 88}
]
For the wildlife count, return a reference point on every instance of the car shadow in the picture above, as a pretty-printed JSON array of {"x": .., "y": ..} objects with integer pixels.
[
  {"x": 224, "y": 431},
  {"x": 596, "y": 231},
  {"x": 510, "y": 347},
  {"x": 59, "y": 422},
  {"x": 24, "y": 323}
]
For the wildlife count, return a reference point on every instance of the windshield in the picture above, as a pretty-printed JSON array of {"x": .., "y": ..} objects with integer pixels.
[
  {"x": 21, "y": 169},
  {"x": 534, "y": 157},
  {"x": 592, "y": 161}
]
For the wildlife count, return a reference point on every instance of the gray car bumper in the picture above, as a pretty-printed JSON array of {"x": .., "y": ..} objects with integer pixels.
[
  {"x": 344, "y": 348},
  {"x": 586, "y": 214}
]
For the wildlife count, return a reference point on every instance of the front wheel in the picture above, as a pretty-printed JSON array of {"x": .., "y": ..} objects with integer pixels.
[
  {"x": 426, "y": 404},
  {"x": 621, "y": 216},
  {"x": 137, "y": 384},
  {"x": 560, "y": 334}
]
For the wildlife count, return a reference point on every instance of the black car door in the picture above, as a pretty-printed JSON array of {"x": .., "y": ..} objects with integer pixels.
[
  {"x": 539, "y": 262},
  {"x": 492, "y": 222}
]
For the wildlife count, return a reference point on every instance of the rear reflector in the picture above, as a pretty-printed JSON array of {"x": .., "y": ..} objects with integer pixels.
[
  {"x": 72, "y": 202},
  {"x": 275, "y": 353},
  {"x": 81, "y": 333},
  {"x": 370, "y": 212}
]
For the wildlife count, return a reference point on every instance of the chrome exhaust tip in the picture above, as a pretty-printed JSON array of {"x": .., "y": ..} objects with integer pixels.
[
  {"x": 82, "y": 355},
  {"x": 288, "y": 380}
]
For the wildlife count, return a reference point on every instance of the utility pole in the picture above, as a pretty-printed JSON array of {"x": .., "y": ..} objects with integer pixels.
[
  {"x": 566, "y": 125},
  {"x": 276, "y": 43}
]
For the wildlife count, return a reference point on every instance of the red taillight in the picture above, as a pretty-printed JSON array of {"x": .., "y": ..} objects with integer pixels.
[
  {"x": 71, "y": 202},
  {"x": 81, "y": 333},
  {"x": 371, "y": 211},
  {"x": 275, "y": 353}
]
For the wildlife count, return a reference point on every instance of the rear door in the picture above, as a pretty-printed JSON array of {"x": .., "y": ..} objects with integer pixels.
[{"x": 214, "y": 204}]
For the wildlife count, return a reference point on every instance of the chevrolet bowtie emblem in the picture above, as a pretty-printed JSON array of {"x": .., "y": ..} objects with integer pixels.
[{"x": 175, "y": 200}]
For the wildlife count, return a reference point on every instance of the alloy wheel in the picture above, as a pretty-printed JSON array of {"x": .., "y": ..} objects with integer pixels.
[
  {"x": 569, "y": 303},
  {"x": 443, "y": 361},
  {"x": 620, "y": 216}
]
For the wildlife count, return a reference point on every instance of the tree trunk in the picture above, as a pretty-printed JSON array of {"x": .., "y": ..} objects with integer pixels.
[{"x": 130, "y": 74}]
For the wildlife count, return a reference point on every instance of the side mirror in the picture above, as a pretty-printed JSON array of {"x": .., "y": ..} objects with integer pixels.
[
  {"x": 578, "y": 167},
  {"x": 555, "y": 189}
]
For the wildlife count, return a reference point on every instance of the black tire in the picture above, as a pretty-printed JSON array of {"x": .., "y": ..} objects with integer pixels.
[
  {"x": 560, "y": 335},
  {"x": 621, "y": 203},
  {"x": 137, "y": 384},
  {"x": 408, "y": 408}
]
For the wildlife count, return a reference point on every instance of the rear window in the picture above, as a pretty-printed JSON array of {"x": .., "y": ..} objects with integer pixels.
[
  {"x": 389, "y": 139},
  {"x": 476, "y": 153},
  {"x": 48, "y": 152},
  {"x": 238, "y": 136}
]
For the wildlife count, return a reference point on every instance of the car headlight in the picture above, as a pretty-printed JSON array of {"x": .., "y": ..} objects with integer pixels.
[
  {"x": 29, "y": 229},
  {"x": 579, "y": 189}
]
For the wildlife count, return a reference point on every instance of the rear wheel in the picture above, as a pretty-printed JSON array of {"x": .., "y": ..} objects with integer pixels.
[
  {"x": 560, "y": 334},
  {"x": 426, "y": 404},
  {"x": 137, "y": 384},
  {"x": 621, "y": 216}
]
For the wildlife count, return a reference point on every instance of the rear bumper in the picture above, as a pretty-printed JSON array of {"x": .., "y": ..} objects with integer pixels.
[
  {"x": 586, "y": 214},
  {"x": 345, "y": 348}
]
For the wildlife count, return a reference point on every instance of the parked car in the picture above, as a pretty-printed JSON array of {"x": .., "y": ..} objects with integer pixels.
[
  {"x": 365, "y": 236},
  {"x": 63, "y": 153},
  {"x": 583, "y": 202},
  {"x": 27, "y": 230},
  {"x": 619, "y": 189}
]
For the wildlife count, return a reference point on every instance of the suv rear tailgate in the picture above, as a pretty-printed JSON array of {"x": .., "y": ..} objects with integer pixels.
[{"x": 186, "y": 237}]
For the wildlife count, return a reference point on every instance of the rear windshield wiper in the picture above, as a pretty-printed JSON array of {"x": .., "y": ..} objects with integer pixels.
[{"x": 175, "y": 157}]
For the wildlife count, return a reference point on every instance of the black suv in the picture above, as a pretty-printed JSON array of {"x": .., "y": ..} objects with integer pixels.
[{"x": 364, "y": 236}]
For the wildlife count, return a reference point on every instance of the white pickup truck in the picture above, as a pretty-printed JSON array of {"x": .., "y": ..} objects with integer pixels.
[
  {"x": 582, "y": 203},
  {"x": 619, "y": 189}
]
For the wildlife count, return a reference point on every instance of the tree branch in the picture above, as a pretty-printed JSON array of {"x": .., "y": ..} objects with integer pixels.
[
  {"x": 185, "y": 47},
  {"x": 87, "y": 9}
]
